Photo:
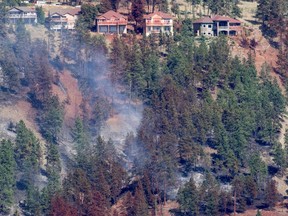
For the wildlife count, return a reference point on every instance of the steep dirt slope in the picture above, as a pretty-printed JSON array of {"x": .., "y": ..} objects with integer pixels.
[
  {"x": 21, "y": 110},
  {"x": 69, "y": 93}
]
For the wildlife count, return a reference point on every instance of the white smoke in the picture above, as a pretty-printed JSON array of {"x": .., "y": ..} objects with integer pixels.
[{"x": 126, "y": 111}]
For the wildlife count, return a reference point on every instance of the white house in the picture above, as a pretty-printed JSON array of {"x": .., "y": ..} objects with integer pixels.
[
  {"x": 158, "y": 22},
  {"x": 63, "y": 18},
  {"x": 27, "y": 15}
]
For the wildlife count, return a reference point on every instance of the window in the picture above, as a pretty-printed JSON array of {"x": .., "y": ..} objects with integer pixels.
[
  {"x": 204, "y": 25},
  {"x": 112, "y": 29},
  {"x": 121, "y": 29},
  {"x": 156, "y": 28},
  {"x": 209, "y": 26},
  {"x": 103, "y": 29},
  {"x": 166, "y": 28}
]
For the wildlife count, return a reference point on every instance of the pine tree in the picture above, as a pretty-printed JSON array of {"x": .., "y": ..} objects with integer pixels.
[
  {"x": 271, "y": 193},
  {"x": 117, "y": 58},
  {"x": 40, "y": 15},
  {"x": 258, "y": 169},
  {"x": 59, "y": 207},
  {"x": 210, "y": 193},
  {"x": 27, "y": 149},
  {"x": 7, "y": 176},
  {"x": 188, "y": 198},
  {"x": 81, "y": 142},
  {"x": 140, "y": 204},
  {"x": 51, "y": 119},
  {"x": 258, "y": 213},
  {"x": 88, "y": 16},
  {"x": 135, "y": 71},
  {"x": 279, "y": 157},
  {"x": 137, "y": 12}
]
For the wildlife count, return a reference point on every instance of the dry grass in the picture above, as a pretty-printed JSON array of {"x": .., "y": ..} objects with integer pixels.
[
  {"x": 37, "y": 32},
  {"x": 248, "y": 11},
  {"x": 23, "y": 110}
]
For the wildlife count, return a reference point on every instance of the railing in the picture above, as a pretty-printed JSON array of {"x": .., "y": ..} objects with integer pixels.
[
  {"x": 100, "y": 22},
  {"x": 156, "y": 22},
  {"x": 58, "y": 20},
  {"x": 224, "y": 27},
  {"x": 21, "y": 16}
]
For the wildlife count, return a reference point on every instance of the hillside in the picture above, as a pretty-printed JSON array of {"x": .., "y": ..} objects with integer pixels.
[{"x": 104, "y": 125}]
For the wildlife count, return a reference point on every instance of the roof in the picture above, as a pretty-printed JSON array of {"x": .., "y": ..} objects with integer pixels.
[
  {"x": 216, "y": 18},
  {"x": 24, "y": 9},
  {"x": 224, "y": 18},
  {"x": 60, "y": 11},
  {"x": 159, "y": 13},
  {"x": 204, "y": 20},
  {"x": 111, "y": 14}
]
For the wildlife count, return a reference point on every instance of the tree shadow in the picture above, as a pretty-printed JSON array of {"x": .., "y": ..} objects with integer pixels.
[
  {"x": 253, "y": 22},
  {"x": 270, "y": 35}
]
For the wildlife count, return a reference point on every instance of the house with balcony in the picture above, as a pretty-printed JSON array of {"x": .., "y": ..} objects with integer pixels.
[
  {"x": 217, "y": 25},
  {"x": 59, "y": 19},
  {"x": 27, "y": 15},
  {"x": 111, "y": 22},
  {"x": 158, "y": 22}
]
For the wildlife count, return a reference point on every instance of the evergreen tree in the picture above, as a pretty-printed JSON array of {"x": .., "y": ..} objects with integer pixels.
[
  {"x": 81, "y": 143},
  {"x": 258, "y": 213},
  {"x": 258, "y": 169},
  {"x": 140, "y": 204},
  {"x": 7, "y": 176},
  {"x": 87, "y": 17},
  {"x": 59, "y": 207},
  {"x": 188, "y": 198},
  {"x": 279, "y": 157},
  {"x": 27, "y": 149},
  {"x": 117, "y": 58},
  {"x": 210, "y": 193},
  {"x": 40, "y": 15},
  {"x": 271, "y": 193},
  {"x": 51, "y": 119},
  {"x": 137, "y": 12}
]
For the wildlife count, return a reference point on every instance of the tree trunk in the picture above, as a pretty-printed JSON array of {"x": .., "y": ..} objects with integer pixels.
[{"x": 235, "y": 203}]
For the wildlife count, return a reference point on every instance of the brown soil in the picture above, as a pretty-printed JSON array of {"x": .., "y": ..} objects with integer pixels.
[
  {"x": 279, "y": 210},
  {"x": 72, "y": 96},
  {"x": 168, "y": 206}
]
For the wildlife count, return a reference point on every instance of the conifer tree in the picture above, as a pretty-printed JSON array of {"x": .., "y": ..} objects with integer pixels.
[
  {"x": 140, "y": 204},
  {"x": 81, "y": 142},
  {"x": 271, "y": 193},
  {"x": 27, "y": 149},
  {"x": 188, "y": 198},
  {"x": 7, "y": 176},
  {"x": 279, "y": 157},
  {"x": 137, "y": 12},
  {"x": 117, "y": 58},
  {"x": 59, "y": 207},
  {"x": 51, "y": 119}
]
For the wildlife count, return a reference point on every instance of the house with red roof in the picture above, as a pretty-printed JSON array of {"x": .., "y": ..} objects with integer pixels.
[
  {"x": 158, "y": 22},
  {"x": 63, "y": 18},
  {"x": 216, "y": 25},
  {"x": 111, "y": 22}
]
